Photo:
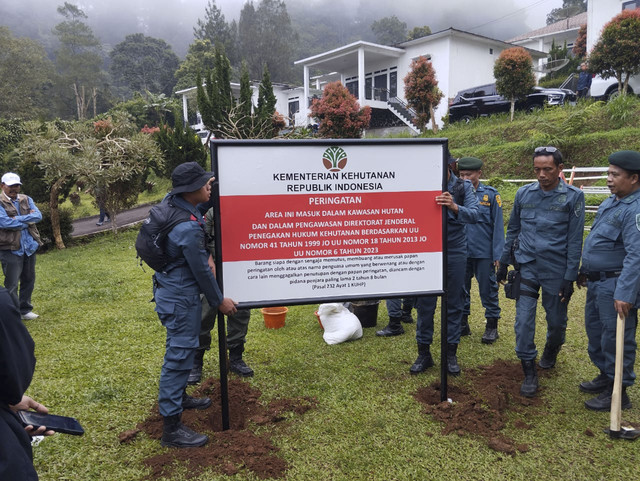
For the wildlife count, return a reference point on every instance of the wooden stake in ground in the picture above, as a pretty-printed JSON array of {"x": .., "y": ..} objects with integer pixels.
[{"x": 615, "y": 431}]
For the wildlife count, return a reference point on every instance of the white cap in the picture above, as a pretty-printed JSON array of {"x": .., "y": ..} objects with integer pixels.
[{"x": 11, "y": 179}]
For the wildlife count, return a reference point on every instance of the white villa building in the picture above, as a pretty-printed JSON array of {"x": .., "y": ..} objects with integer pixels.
[{"x": 374, "y": 73}]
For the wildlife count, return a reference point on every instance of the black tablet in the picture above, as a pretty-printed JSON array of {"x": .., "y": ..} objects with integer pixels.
[{"x": 59, "y": 424}]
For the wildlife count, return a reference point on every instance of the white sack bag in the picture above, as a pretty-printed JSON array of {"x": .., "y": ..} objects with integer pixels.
[{"x": 339, "y": 323}]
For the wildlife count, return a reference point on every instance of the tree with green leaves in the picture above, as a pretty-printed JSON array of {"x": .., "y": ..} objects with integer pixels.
[
  {"x": 389, "y": 30},
  {"x": 179, "y": 145},
  {"x": 229, "y": 119},
  {"x": 200, "y": 57},
  {"x": 422, "y": 92},
  {"x": 418, "y": 32},
  {"x": 245, "y": 104},
  {"x": 265, "y": 35},
  {"x": 570, "y": 8},
  {"x": 216, "y": 30},
  {"x": 109, "y": 155},
  {"x": 617, "y": 52},
  {"x": 339, "y": 113},
  {"x": 266, "y": 101},
  {"x": 557, "y": 52},
  {"x": 513, "y": 72},
  {"x": 144, "y": 64},
  {"x": 78, "y": 60},
  {"x": 27, "y": 76}
]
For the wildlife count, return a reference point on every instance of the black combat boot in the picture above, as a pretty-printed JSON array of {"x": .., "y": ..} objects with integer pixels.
[
  {"x": 189, "y": 402},
  {"x": 491, "y": 331},
  {"x": 452, "y": 360},
  {"x": 530, "y": 384},
  {"x": 406, "y": 315},
  {"x": 196, "y": 371},
  {"x": 236, "y": 364},
  {"x": 394, "y": 328},
  {"x": 177, "y": 435},
  {"x": 597, "y": 385},
  {"x": 423, "y": 361},
  {"x": 465, "y": 330},
  {"x": 602, "y": 402},
  {"x": 548, "y": 359}
]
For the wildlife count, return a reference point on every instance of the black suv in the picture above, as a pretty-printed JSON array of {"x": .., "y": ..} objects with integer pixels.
[{"x": 484, "y": 100}]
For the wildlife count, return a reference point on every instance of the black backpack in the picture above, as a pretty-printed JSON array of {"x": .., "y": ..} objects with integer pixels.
[{"x": 151, "y": 240}]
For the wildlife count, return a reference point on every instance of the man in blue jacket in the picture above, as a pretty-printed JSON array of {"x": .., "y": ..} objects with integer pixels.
[
  {"x": 19, "y": 241},
  {"x": 462, "y": 208},
  {"x": 485, "y": 242},
  {"x": 584, "y": 81},
  {"x": 611, "y": 272},
  {"x": 177, "y": 291},
  {"x": 546, "y": 228}
]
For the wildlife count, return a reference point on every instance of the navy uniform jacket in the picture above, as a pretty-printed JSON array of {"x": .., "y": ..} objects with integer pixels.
[
  {"x": 486, "y": 238},
  {"x": 549, "y": 227},
  {"x": 17, "y": 364},
  {"x": 614, "y": 245},
  {"x": 467, "y": 214},
  {"x": 191, "y": 275}
]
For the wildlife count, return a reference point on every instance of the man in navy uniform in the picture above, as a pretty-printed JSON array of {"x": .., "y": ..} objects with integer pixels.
[
  {"x": 485, "y": 242},
  {"x": 547, "y": 225},
  {"x": 462, "y": 208},
  {"x": 177, "y": 291},
  {"x": 611, "y": 271}
]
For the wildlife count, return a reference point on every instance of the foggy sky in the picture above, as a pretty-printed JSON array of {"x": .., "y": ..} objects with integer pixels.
[{"x": 173, "y": 20}]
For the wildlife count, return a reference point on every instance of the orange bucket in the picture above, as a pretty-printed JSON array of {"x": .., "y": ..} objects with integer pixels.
[{"x": 274, "y": 316}]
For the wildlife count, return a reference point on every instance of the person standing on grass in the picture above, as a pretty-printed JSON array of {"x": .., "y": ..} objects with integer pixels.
[
  {"x": 611, "y": 272},
  {"x": 237, "y": 324},
  {"x": 19, "y": 241},
  {"x": 545, "y": 235},
  {"x": 462, "y": 208},
  {"x": 17, "y": 363},
  {"x": 485, "y": 244},
  {"x": 177, "y": 290}
]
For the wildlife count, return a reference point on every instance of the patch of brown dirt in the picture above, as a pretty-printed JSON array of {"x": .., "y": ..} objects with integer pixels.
[
  {"x": 227, "y": 452},
  {"x": 481, "y": 407}
]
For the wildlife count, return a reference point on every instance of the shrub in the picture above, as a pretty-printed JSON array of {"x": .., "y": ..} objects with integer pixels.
[
  {"x": 179, "y": 145},
  {"x": 339, "y": 113}
]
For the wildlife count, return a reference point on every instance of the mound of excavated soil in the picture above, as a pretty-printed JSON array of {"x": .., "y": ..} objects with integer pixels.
[
  {"x": 481, "y": 404},
  {"x": 227, "y": 451}
]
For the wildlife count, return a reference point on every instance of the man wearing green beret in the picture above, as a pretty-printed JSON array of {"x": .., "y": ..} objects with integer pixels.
[
  {"x": 611, "y": 272},
  {"x": 484, "y": 246}
]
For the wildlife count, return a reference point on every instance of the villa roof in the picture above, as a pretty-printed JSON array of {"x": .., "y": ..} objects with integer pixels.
[{"x": 568, "y": 24}]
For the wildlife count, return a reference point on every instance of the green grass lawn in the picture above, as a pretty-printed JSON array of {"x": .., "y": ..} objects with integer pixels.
[{"x": 99, "y": 347}]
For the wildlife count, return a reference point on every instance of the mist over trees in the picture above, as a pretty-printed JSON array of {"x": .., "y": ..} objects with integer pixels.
[{"x": 79, "y": 60}]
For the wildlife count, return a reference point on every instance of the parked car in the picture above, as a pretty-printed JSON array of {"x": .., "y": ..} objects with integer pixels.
[
  {"x": 602, "y": 89},
  {"x": 485, "y": 100}
]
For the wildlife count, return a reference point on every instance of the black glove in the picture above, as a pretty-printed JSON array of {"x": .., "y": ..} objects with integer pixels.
[
  {"x": 566, "y": 291},
  {"x": 501, "y": 275},
  {"x": 582, "y": 280}
]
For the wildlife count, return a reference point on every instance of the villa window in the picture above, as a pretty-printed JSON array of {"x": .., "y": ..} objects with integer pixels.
[
  {"x": 631, "y": 5},
  {"x": 393, "y": 83},
  {"x": 294, "y": 108},
  {"x": 352, "y": 87}
]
